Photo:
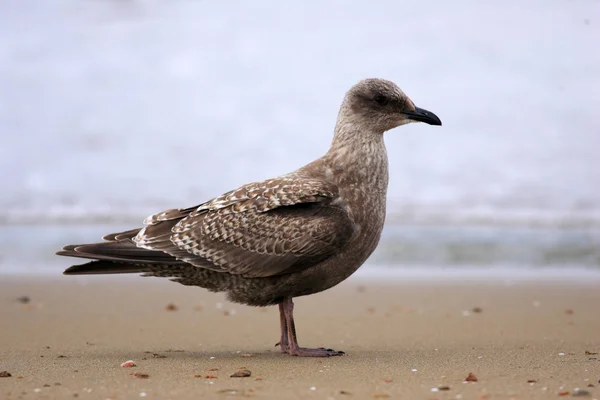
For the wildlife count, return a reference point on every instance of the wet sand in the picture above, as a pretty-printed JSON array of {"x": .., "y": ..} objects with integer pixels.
[{"x": 404, "y": 340}]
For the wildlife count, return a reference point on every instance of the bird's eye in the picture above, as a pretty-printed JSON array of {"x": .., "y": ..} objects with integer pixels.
[{"x": 381, "y": 100}]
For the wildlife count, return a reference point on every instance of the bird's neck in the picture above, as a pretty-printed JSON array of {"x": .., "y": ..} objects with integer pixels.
[{"x": 357, "y": 162}]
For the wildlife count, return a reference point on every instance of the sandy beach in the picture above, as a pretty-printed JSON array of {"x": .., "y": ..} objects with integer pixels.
[{"x": 66, "y": 338}]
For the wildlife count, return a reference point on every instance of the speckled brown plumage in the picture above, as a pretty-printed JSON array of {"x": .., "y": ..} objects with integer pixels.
[{"x": 267, "y": 242}]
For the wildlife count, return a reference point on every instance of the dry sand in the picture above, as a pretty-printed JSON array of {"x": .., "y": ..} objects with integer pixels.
[{"x": 402, "y": 340}]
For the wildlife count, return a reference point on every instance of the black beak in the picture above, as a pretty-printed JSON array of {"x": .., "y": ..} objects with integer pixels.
[{"x": 422, "y": 115}]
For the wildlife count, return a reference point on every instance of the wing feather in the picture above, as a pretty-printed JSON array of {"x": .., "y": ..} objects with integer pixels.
[{"x": 261, "y": 229}]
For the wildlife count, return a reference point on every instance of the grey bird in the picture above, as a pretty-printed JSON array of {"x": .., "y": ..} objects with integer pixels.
[{"x": 268, "y": 242}]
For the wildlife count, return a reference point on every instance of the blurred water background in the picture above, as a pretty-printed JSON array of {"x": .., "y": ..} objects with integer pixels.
[{"x": 111, "y": 110}]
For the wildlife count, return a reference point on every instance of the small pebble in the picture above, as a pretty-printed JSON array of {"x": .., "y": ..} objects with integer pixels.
[
  {"x": 581, "y": 393},
  {"x": 242, "y": 373},
  {"x": 128, "y": 364},
  {"x": 5, "y": 374},
  {"x": 471, "y": 378}
]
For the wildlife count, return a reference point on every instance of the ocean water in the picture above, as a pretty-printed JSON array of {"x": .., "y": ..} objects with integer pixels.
[
  {"x": 111, "y": 110},
  {"x": 462, "y": 252}
]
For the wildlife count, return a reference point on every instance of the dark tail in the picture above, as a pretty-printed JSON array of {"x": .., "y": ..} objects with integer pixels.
[
  {"x": 118, "y": 255},
  {"x": 104, "y": 267}
]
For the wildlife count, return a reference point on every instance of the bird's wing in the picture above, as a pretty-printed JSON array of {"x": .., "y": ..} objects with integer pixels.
[{"x": 262, "y": 229}]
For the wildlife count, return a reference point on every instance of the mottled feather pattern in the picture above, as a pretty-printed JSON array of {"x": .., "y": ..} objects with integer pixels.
[
  {"x": 172, "y": 214},
  {"x": 253, "y": 242},
  {"x": 258, "y": 196},
  {"x": 261, "y": 229},
  {"x": 272, "y": 193}
]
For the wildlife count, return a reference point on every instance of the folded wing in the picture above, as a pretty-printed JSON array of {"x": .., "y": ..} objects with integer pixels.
[{"x": 261, "y": 229}]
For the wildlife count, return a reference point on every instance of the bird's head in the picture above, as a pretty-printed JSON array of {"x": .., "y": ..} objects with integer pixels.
[{"x": 380, "y": 105}]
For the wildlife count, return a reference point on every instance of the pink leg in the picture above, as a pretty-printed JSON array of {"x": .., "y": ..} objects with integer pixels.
[
  {"x": 283, "y": 342},
  {"x": 290, "y": 346}
]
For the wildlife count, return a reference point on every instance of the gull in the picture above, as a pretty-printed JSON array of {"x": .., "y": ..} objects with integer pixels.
[{"x": 267, "y": 242}]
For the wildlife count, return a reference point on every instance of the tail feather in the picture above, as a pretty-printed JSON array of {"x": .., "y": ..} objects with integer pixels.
[
  {"x": 118, "y": 252},
  {"x": 130, "y": 234},
  {"x": 118, "y": 255},
  {"x": 123, "y": 250},
  {"x": 105, "y": 267}
]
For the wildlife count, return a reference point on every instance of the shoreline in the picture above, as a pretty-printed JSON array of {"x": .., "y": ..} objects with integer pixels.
[
  {"x": 405, "y": 251},
  {"x": 391, "y": 275}
]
